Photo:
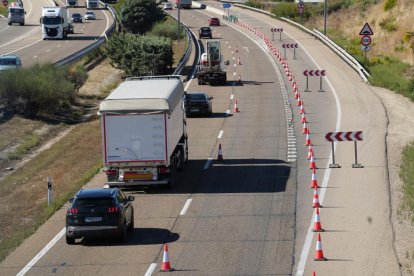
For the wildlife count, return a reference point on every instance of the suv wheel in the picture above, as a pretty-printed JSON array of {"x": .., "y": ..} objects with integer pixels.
[
  {"x": 70, "y": 240},
  {"x": 131, "y": 224}
]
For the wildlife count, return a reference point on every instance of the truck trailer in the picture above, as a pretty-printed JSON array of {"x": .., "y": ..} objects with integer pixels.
[
  {"x": 144, "y": 134},
  {"x": 92, "y": 4},
  {"x": 184, "y": 4},
  {"x": 55, "y": 22}
]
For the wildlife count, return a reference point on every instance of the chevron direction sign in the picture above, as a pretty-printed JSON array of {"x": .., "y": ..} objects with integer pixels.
[
  {"x": 318, "y": 73},
  {"x": 343, "y": 136},
  {"x": 292, "y": 45},
  {"x": 276, "y": 30}
]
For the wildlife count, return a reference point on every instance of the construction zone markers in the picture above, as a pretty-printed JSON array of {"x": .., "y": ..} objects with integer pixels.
[
  {"x": 314, "y": 182},
  {"x": 236, "y": 109},
  {"x": 220, "y": 154},
  {"x": 319, "y": 252},
  {"x": 165, "y": 267},
  {"x": 315, "y": 203},
  {"x": 317, "y": 226}
]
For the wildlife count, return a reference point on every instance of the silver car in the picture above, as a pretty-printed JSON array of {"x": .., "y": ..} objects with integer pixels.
[
  {"x": 10, "y": 62},
  {"x": 89, "y": 15}
]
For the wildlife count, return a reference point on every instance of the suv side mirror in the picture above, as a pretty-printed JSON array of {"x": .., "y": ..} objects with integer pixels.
[
  {"x": 71, "y": 199},
  {"x": 131, "y": 198}
]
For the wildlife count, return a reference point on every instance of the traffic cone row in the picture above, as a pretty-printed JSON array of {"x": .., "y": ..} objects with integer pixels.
[
  {"x": 317, "y": 227},
  {"x": 220, "y": 154},
  {"x": 236, "y": 108}
]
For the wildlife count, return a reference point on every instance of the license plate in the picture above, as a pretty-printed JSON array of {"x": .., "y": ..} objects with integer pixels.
[
  {"x": 138, "y": 175},
  {"x": 93, "y": 219},
  {"x": 194, "y": 110}
]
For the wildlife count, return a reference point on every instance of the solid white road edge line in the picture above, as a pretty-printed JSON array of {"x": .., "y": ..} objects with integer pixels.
[
  {"x": 42, "y": 252},
  {"x": 150, "y": 269},
  {"x": 186, "y": 205}
]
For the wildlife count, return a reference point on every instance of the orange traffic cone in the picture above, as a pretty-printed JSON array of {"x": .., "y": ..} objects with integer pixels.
[
  {"x": 317, "y": 227},
  {"x": 314, "y": 273},
  {"x": 314, "y": 182},
  {"x": 236, "y": 109},
  {"x": 303, "y": 119},
  {"x": 315, "y": 203},
  {"x": 297, "y": 95},
  {"x": 319, "y": 252},
  {"x": 310, "y": 151},
  {"x": 239, "y": 61},
  {"x": 299, "y": 102},
  {"x": 305, "y": 130},
  {"x": 312, "y": 164},
  {"x": 237, "y": 50},
  {"x": 308, "y": 140},
  {"x": 302, "y": 109},
  {"x": 166, "y": 260},
  {"x": 220, "y": 154}
]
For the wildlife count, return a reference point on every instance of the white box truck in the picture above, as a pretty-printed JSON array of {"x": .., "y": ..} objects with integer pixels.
[
  {"x": 55, "y": 22},
  {"x": 15, "y": 13},
  {"x": 144, "y": 133},
  {"x": 92, "y": 4}
]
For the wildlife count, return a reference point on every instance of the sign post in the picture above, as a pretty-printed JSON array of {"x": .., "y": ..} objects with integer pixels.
[
  {"x": 301, "y": 7},
  {"x": 366, "y": 33},
  {"x": 49, "y": 191},
  {"x": 344, "y": 136}
]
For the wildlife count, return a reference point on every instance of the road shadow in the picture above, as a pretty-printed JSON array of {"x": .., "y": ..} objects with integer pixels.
[{"x": 139, "y": 236}]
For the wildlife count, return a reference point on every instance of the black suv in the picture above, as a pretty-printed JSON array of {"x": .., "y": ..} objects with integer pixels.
[
  {"x": 97, "y": 212},
  {"x": 205, "y": 32}
]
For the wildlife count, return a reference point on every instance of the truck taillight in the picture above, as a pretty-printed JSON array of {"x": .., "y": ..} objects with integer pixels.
[
  {"x": 164, "y": 170},
  {"x": 113, "y": 210},
  {"x": 110, "y": 172},
  {"x": 72, "y": 211}
]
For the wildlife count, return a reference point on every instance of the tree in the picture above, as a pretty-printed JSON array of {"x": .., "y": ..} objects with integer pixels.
[{"x": 138, "y": 16}]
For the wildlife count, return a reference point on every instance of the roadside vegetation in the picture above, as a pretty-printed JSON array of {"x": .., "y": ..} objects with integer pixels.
[
  {"x": 407, "y": 175},
  {"x": 41, "y": 102}
]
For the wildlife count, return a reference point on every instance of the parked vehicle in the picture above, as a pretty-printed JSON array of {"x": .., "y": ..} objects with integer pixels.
[
  {"x": 205, "y": 32},
  {"x": 167, "y": 6},
  {"x": 10, "y": 62},
  {"x": 198, "y": 103},
  {"x": 92, "y": 4},
  {"x": 212, "y": 69},
  {"x": 99, "y": 212},
  {"x": 55, "y": 22},
  {"x": 71, "y": 3},
  {"x": 214, "y": 21},
  {"x": 144, "y": 131},
  {"x": 89, "y": 15},
  {"x": 76, "y": 18},
  {"x": 184, "y": 4},
  {"x": 15, "y": 13}
]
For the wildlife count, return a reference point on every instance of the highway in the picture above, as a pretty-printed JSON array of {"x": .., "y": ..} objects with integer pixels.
[
  {"x": 26, "y": 41},
  {"x": 252, "y": 214}
]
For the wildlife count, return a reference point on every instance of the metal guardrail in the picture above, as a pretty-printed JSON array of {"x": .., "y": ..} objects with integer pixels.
[
  {"x": 324, "y": 39},
  {"x": 80, "y": 54},
  {"x": 183, "y": 61}
]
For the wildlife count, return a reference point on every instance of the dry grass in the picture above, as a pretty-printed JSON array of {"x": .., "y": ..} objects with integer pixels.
[
  {"x": 70, "y": 163},
  {"x": 179, "y": 50},
  {"x": 16, "y": 127}
]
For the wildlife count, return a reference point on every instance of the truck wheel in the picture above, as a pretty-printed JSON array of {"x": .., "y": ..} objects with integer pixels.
[
  {"x": 9, "y": 23},
  {"x": 173, "y": 176},
  {"x": 200, "y": 82},
  {"x": 65, "y": 34},
  {"x": 123, "y": 234}
]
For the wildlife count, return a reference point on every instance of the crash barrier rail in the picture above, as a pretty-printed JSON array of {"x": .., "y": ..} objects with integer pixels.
[
  {"x": 183, "y": 61},
  {"x": 318, "y": 35},
  {"x": 80, "y": 54}
]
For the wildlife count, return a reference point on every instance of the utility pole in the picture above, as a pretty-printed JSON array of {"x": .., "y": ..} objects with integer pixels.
[
  {"x": 324, "y": 17},
  {"x": 179, "y": 21}
]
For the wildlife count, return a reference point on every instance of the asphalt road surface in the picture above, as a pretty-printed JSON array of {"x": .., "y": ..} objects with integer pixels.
[
  {"x": 251, "y": 214},
  {"x": 26, "y": 41}
]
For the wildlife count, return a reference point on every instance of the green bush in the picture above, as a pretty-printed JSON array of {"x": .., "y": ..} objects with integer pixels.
[
  {"x": 77, "y": 75},
  {"x": 388, "y": 24},
  {"x": 254, "y": 4},
  {"x": 389, "y": 4},
  {"x": 407, "y": 175},
  {"x": 167, "y": 28},
  {"x": 138, "y": 16},
  {"x": 40, "y": 89},
  {"x": 140, "y": 55}
]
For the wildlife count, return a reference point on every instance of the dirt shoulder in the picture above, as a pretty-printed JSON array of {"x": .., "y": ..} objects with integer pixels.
[{"x": 400, "y": 112}]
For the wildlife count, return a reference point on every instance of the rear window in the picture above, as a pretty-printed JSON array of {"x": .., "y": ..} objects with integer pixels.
[
  {"x": 8, "y": 61},
  {"x": 197, "y": 97},
  {"x": 93, "y": 202},
  {"x": 205, "y": 28}
]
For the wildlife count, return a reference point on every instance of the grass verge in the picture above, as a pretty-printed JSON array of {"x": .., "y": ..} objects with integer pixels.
[
  {"x": 407, "y": 175},
  {"x": 71, "y": 162}
]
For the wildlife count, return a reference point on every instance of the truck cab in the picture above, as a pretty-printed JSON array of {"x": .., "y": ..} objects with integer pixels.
[
  {"x": 15, "y": 14},
  {"x": 54, "y": 22}
]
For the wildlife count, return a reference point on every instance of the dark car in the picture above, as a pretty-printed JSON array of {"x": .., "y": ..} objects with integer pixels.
[
  {"x": 76, "y": 17},
  {"x": 205, "y": 32},
  {"x": 198, "y": 103},
  {"x": 214, "y": 21},
  {"x": 71, "y": 29},
  {"x": 99, "y": 212}
]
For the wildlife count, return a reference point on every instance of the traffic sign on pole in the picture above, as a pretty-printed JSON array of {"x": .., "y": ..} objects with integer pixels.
[
  {"x": 366, "y": 40},
  {"x": 366, "y": 30}
]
